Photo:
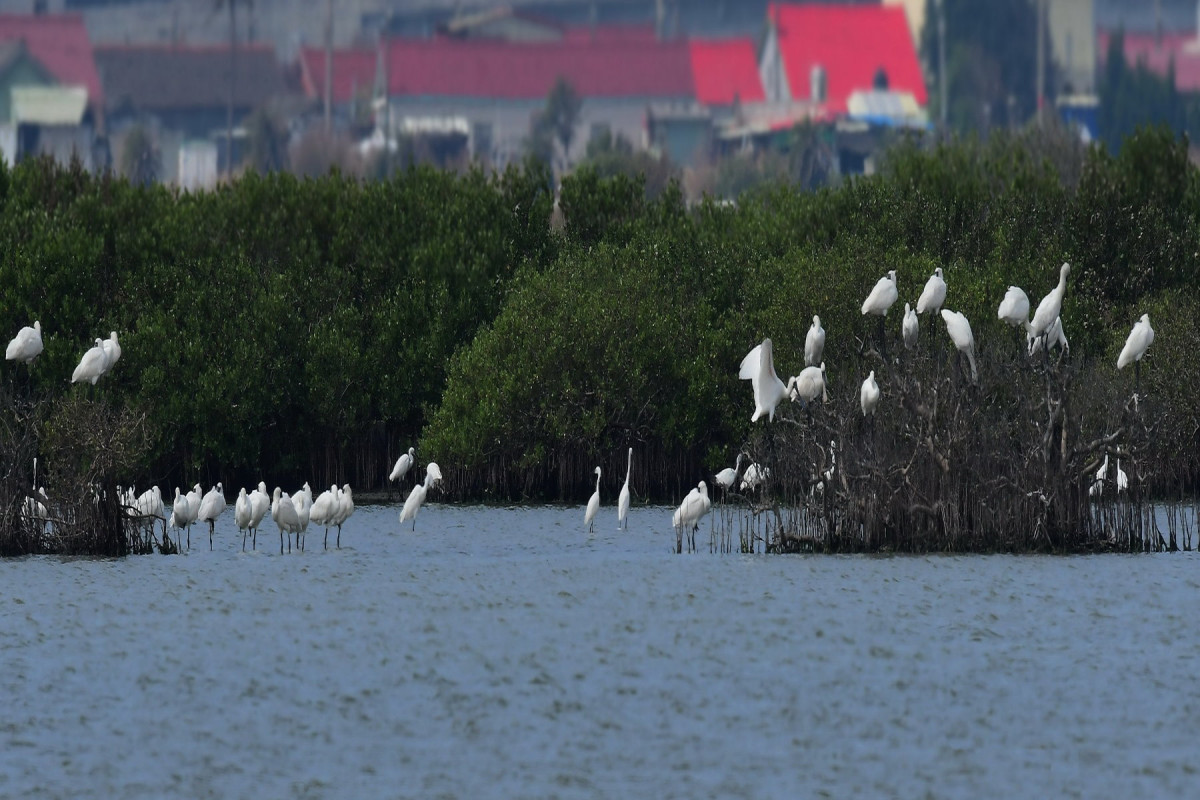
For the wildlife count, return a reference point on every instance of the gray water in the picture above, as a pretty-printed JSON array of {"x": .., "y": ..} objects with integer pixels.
[{"x": 505, "y": 653}]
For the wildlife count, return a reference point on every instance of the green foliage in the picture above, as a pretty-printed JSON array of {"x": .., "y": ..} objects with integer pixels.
[
  {"x": 140, "y": 159},
  {"x": 608, "y": 156},
  {"x": 554, "y": 126}
]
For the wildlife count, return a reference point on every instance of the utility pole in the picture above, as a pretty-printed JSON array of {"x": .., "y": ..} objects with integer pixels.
[
  {"x": 328, "y": 66},
  {"x": 943, "y": 78}
]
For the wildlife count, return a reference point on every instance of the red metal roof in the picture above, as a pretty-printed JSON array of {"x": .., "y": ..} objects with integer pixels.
[
  {"x": 605, "y": 67},
  {"x": 850, "y": 42},
  {"x": 725, "y": 69},
  {"x": 1157, "y": 52},
  {"x": 60, "y": 42}
]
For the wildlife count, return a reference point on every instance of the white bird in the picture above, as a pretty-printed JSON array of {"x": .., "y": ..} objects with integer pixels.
[
  {"x": 754, "y": 477},
  {"x": 814, "y": 343},
  {"x": 260, "y": 504},
  {"x": 808, "y": 384},
  {"x": 1097, "y": 487},
  {"x": 324, "y": 509},
  {"x": 960, "y": 331},
  {"x": 727, "y": 476},
  {"x": 403, "y": 465},
  {"x": 882, "y": 295},
  {"x": 933, "y": 296},
  {"x": 1122, "y": 479},
  {"x": 1137, "y": 343},
  {"x": 1052, "y": 338},
  {"x": 26, "y": 345},
  {"x": 623, "y": 498},
  {"x": 1014, "y": 308},
  {"x": 112, "y": 350},
  {"x": 181, "y": 514},
  {"x": 345, "y": 508},
  {"x": 691, "y": 511},
  {"x": 284, "y": 514},
  {"x": 302, "y": 502},
  {"x": 593, "y": 504},
  {"x": 93, "y": 364},
  {"x": 759, "y": 368},
  {"x": 34, "y": 508},
  {"x": 243, "y": 512},
  {"x": 1051, "y": 306},
  {"x": 416, "y": 497},
  {"x": 212, "y": 506},
  {"x": 869, "y": 395},
  {"x": 150, "y": 504},
  {"x": 910, "y": 327}
]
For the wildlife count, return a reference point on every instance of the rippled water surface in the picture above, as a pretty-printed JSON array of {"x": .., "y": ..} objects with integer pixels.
[{"x": 504, "y": 653}]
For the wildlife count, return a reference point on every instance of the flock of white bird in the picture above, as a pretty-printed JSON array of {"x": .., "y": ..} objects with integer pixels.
[
  {"x": 294, "y": 513},
  {"x": 1043, "y": 331}
]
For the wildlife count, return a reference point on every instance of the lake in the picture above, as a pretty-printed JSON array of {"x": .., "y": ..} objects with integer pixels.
[{"x": 506, "y": 653}]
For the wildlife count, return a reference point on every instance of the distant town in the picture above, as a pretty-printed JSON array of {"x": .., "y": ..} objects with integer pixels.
[{"x": 190, "y": 93}]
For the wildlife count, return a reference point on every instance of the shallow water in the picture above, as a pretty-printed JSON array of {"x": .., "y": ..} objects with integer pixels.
[{"x": 505, "y": 653}]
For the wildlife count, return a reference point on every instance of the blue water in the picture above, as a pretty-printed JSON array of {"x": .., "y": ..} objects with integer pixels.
[{"x": 505, "y": 653}]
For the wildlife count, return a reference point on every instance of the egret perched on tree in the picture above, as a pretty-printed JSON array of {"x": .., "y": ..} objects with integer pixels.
[
  {"x": 814, "y": 343},
  {"x": 910, "y": 327},
  {"x": 623, "y": 499},
  {"x": 882, "y": 295},
  {"x": 1051, "y": 306},
  {"x": 727, "y": 476},
  {"x": 754, "y": 477},
  {"x": 1136, "y": 346},
  {"x": 93, "y": 364},
  {"x": 960, "y": 331},
  {"x": 1014, "y": 308},
  {"x": 808, "y": 384},
  {"x": 112, "y": 350},
  {"x": 933, "y": 296},
  {"x": 1052, "y": 338},
  {"x": 593, "y": 504},
  {"x": 869, "y": 395},
  {"x": 403, "y": 465},
  {"x": 693, "y": 508},
  {"x": 758, "y": 367},
  {"x": 26, "y": 345},
  {"x": 1122, "y": 479},
  {"x": 1097, "y": 487}
]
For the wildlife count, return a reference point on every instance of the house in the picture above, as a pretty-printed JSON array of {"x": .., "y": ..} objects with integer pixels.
[
  {"x": 182, "y": 92},
  {"x": 51, "y": 100},
  {"x": 498, "y": 86}
]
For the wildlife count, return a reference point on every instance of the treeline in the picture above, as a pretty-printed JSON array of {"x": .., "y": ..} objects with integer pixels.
[{"x": 295, "y": 329}]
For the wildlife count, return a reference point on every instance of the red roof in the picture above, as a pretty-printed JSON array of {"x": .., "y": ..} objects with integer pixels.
[
  {"x": 1157, "y": 52},
  {"x": 621, "y": 67},
  {"x": 60, "y": 43},
  {"x": 850, "y": 42},
  {"x": 726, "y": 69}
]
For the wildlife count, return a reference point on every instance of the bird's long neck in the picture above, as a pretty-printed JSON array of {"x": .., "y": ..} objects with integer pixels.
[{"x": 628, "y": 466}]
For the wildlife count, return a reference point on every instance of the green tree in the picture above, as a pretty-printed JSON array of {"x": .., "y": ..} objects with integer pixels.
[
  {"x": 553, "y": 128},
  {"x": 140, "y": 159}
]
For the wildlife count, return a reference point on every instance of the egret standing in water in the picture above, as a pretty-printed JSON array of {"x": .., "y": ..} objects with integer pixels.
[
  {"x": 403, "y": 465},
  {"x": 693, "y": 508},
  {"x": 1135, "y": 347},
  {"x": 727, "y": 476},
  {"x": 758, "y": 367},
  {"x": 212, "y": 506},
  {"x": 933, "y": 296},
  {"x": 814, "y": 343},
  {"x": 623, "y": 499},
  {"x": 433, "y": 474},
  {"x": 593, "y": 504},
  {"x": 960, "y": 331},
  {"x": 26, "y": 345}
]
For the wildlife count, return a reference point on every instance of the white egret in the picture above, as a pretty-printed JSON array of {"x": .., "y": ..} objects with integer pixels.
[
  {"x": 869, "y": 395},
  {"x": 910, "y": 327},
  {"x": 284, "y": 514},
  {"x": 260, "y": 504},
  {"x": 1014, "y": 308},
  {"x": 1136, "y": 346},
  {"x": 1122, "y": 479},
  {"x": 212, "y": 505},
  {"x": 933, "y": 296},
  {"x": 814, "y": 343},
  {"x": 754, "y": 477},
  {"x": 882, "y": 295},
  {"x": 182, "y": 514},
  {"x": 623, "y": 498},
  {"x": 93, "y": 364},
  {"x": 593, "y": 504},
  {"x": 1097, "y": 487},
  {"x": 727, "y": 476},
  {"x": 960, "y": 331},
  {"x": 808, "y": 384},
  {"x": 302, "y": 502},
  {"x": 403, "y": 465},
  {"x": 345, "y": 508},
  {"x": 1052, "y": 338},
  {"x": 26, "y": 345},
  {"x": 416, "y": 497},
  {"x": 758, "y": 367},
  {"x": 150, "y": 503},
  {"x": 691, "y": 511},
  {"x": 1051, "y": 306},
  {"x": 112, "y": 350},
  {"x": 243, "y": 511}
]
